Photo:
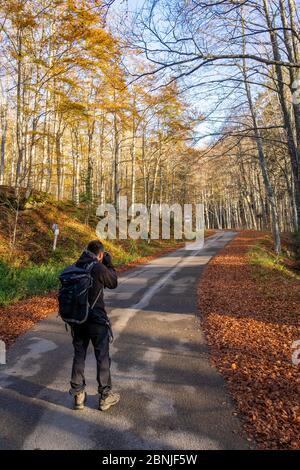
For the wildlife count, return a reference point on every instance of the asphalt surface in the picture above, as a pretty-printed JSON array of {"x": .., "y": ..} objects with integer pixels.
[{"x": 171, "y": 397}]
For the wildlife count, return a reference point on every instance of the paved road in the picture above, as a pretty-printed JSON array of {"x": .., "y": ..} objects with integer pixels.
[{"x": 172, "y": 398}]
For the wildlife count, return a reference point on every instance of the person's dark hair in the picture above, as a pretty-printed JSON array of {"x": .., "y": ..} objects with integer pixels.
[{"x": 95, "y": 247}]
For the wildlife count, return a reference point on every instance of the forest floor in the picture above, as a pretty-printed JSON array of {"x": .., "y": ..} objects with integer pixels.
[{"x": 249, "y": 301}]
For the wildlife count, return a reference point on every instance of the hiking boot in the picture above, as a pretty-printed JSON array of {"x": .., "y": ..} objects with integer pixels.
[
  {"x": 108, "y": 400},
  {"x": 79, "y": 401}
]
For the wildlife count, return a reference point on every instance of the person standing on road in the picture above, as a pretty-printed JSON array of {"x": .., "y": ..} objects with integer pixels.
[{"x": 96, "y": 329}]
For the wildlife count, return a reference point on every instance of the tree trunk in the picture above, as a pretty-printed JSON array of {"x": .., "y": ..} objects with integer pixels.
[
  {"x": 293, "y": 152},
  {"x": 262, "y": 160},
  {"x": 3, "y": 142}
]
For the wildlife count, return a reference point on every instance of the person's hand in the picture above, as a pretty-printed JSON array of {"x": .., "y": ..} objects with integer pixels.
[{"x": 107, "y": 260}]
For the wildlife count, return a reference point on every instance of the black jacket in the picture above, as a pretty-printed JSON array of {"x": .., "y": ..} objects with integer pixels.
[{"x": 104, "y": 275}]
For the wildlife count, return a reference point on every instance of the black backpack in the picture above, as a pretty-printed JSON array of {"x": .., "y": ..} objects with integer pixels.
[{"x": 73, "y": 294}]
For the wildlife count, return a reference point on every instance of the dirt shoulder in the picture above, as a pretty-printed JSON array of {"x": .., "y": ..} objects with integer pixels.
[{"x": 250, "y": 314}]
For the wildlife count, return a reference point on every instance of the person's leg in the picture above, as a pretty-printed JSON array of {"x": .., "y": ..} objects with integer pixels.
[
  {"x": 80, "y": 343},
  {"x": 100, "y": 338}
]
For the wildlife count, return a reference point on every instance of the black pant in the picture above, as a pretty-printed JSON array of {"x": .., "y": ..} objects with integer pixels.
[{"x": 99, "y": 335}]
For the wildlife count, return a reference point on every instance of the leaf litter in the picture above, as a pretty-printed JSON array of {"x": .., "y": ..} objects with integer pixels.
[{"x": 251, "y": 319}]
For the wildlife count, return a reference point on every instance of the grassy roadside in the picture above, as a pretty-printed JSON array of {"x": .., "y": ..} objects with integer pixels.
[
  {"x": 19, "y": 282},
  {"x": 268, "y": 263},
  {"x": 249, "y": 301},
  {"x": 29, "y": 271},
  {"x": 31, "y": 267},
  {"x": 40, "y": 299}
]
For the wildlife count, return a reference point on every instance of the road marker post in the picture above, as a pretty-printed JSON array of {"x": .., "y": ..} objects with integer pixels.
[{"x": 55, "y": 229}]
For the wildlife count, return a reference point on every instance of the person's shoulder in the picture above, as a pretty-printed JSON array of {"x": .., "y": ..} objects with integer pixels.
[{"x": 98, "y": 268}]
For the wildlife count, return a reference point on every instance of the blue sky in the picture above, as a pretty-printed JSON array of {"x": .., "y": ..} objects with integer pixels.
[{"x": 198, "y": 99}]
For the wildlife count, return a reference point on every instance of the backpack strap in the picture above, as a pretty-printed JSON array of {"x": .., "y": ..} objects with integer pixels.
[
  {"x": 97, "y": 297},
  {"x": 90, "y": 266},
  {"x": 89, "y": 269}
]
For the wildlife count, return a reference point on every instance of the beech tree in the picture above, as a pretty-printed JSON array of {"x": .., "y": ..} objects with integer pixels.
[
  {"x": 226, "y": 49},
  {"x": 72, "y": 124},
  {"x": 91, "y": 113}
]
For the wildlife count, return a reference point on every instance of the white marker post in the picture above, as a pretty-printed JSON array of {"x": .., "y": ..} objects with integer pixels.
[
  {"x": 2, "y": 353},
  {"x": 55, "y": 229}
]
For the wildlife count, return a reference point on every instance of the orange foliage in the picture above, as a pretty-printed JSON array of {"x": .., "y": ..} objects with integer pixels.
[{"x": 251, "y": 331}]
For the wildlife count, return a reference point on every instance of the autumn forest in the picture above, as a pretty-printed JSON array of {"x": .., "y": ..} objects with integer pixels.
[
  {"x": 201, "y": 105},
  {"x": 166, "y": 102}
]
